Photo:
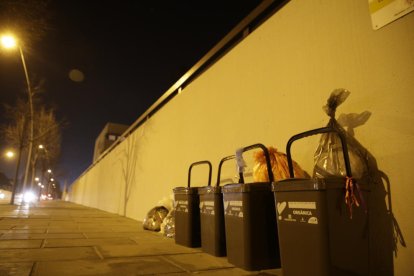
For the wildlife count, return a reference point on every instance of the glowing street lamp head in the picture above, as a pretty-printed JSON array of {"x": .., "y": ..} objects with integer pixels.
[
  {"x": 8, "y": 41},
  {"x": 9, "y": 154},
  {"x": 49, "y": 171},
  {"x": 41, "y": 147}
]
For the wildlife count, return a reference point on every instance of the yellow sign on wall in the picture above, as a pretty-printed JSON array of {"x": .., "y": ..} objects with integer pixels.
[{"x": 386, "y": 11}]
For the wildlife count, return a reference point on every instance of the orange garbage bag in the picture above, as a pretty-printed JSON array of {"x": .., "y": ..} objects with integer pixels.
[{"x": 280, "y": 168}]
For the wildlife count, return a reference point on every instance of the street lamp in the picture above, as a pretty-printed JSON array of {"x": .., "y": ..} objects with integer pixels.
[
  {"x": 9, "y": 154},
  {"x": 9, "y": 42}
]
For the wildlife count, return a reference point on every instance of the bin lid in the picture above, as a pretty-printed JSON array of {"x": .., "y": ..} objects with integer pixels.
[
  {"x": 185, "y": 190},
  {"x": 309, "y": 184},
  {"x": 209, "y": 190},
  {"x": 247, "y": 187}
]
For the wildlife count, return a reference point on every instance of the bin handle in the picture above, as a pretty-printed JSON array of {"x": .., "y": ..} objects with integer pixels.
[
  {"x": 199, "y": 163},
  {"x": 220, "y": 165},
  {"x": 328, "y": 129},
  {"x": 267, "y": 156}
]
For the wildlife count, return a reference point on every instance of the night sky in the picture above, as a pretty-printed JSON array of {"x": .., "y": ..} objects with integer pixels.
[{"x": 130, "y": 53}]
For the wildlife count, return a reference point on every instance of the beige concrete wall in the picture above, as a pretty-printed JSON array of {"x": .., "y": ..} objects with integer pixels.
[{"x": 269, "y": 87}]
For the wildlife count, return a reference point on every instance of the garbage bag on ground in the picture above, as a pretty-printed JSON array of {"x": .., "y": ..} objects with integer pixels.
[
  {"x": 167, "y": 202},
  {"x": 154, "y": 218},
  {"x": 168, "y": 225}
]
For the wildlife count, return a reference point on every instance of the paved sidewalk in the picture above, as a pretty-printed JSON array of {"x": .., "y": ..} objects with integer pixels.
[{"x": 62, "y": 238}]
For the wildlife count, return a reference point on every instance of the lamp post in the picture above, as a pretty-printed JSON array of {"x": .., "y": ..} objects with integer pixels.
[{"x": 9, "y": 42}]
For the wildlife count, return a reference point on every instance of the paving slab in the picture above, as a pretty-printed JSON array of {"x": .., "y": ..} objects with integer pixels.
[
  {"x": 87, "y": 242},
  {"x": 63, "y": 230},
  {"x": 198, "y": 261},
  {"x": 18, "y": 269},
  {"x": 132, "y": 228},
  {"x": 25, "y": 221},
  {"x": 239, "y": 272},
  {"x": 5, "y": 227},
  {"x": 149, "y": 238},
  {"x": 41, "y": 236},
  {"x": 16, "y": 227},
  {"x": 40, "y": 216},
  {"x": 62, "y": 238},
  {"x": 100, "y": 220},
  {"x": 95, "y": 229},
  {"x": 122, "y": 266},
  {"x": 92, "y": 235},
  {"x": 61, "y": 223},
  {"x": 40, "y": 230},
  {"x": 144, "y": 249},
  {"x": 7, "y": 244},
  {"x": 45, "y": 254}
]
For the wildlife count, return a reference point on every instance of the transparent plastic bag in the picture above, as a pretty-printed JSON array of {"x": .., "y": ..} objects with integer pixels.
[
  {"x": 154, "y": 218},
  {"x": 280, "y": 168},
  {"x": 168, "y": 225},
  {"x": 328, "y": 157}
]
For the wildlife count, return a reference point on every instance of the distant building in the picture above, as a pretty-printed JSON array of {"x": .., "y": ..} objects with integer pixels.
[{"x": 108, "y": 136}]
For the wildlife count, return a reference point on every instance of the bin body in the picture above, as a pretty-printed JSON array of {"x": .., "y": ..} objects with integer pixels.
[
  {"x": 213, "y": 239},
  {"x": 250, "y": 226},
  {"x": 316, "y": 234},
  {"x": 187, "y": 217}
]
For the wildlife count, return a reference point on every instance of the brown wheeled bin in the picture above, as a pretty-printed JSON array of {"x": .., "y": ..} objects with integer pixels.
[
  {"x": 250, "y": 222},
  {"x": 187, "y": 211},
  {"x": 316, "y": 234},
  {"x": 213, "y": 237}
]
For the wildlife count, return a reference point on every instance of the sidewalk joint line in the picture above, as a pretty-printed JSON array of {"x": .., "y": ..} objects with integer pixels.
[
  {"x": 174, "y": 264},
  {"x": 95, "y": 248}
]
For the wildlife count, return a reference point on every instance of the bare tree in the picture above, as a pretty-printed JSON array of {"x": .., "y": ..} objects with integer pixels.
[
  {"x": 15, "y": 132},
  {"x": 47, "y": 132},
  {"x": 16, "y": 135},
  {"x": 47, "y": 139}
]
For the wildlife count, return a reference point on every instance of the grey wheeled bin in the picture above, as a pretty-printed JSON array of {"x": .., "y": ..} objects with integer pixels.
[
  {"x": 250, "y": 222},
  {"x": 187, "y": 211},
  {"x": 316, "y": 233},
  {"x": 213, "y": 236}
]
